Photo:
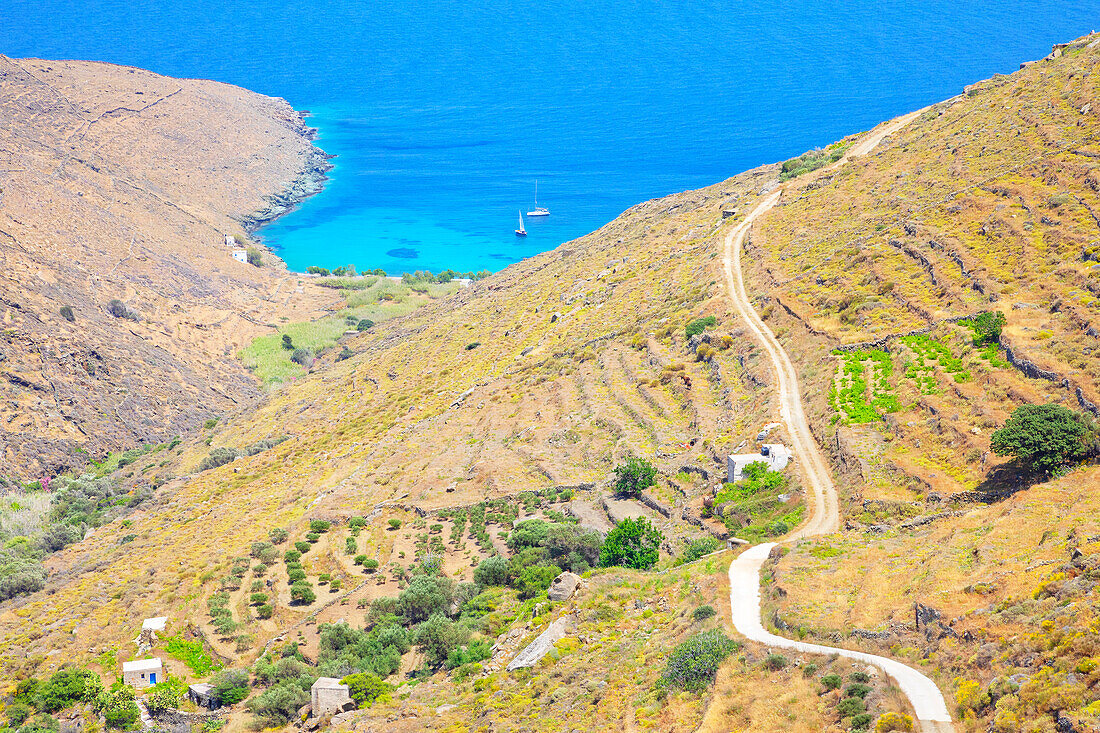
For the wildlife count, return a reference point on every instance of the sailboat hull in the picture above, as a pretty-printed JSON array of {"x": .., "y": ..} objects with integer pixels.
[{"x": 539, "y": 212}]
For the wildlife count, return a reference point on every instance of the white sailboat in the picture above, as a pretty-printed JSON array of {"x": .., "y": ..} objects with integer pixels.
[
  {"x": 538, "y": 210},
  {"x": 521, "y": 232}
]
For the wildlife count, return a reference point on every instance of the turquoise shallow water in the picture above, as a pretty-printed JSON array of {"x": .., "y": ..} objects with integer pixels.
[{"x": 444, "y": 114}]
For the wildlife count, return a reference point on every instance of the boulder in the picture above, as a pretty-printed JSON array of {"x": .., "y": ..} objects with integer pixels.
[
  {"x": 541, "y": 646},
  {"x": 564, "y": 586}
]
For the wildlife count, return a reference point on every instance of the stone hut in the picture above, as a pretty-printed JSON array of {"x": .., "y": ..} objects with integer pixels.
[
  {"x": 328, "y": 696},
  {"x": 142, "y": 673},
  {"x": 202, "y": 694}
]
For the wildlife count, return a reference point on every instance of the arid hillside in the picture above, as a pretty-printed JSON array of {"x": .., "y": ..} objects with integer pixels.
[
  {"x": 408, "y": 458},
  {"x": 117, "y": 184}
]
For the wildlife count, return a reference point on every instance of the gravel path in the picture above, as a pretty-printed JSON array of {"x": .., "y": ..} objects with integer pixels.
[{"x": 744, "y": 573}]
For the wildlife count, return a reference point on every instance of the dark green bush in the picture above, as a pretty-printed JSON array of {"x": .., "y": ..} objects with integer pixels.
[
  {"x": 491, "y": 571},
  {"x": 292, "y": 556},
  {"x": 534, "y": 580},
  {"x": 365, "y": 325},
  {"x": 288, "y": 342},
  {"x": 859, "y": 677},
  {"x": 424, "y": 597},
  {"x": 857, "y": 689},
  {"x": 67, "y": 313},
  {"x": 850, "y": 706},
  {"x": 278, "y": 705},
  {"x": 703, "y": 612},
  {"x": 986, "y": 327},
  {"x": 861, "y": 721},
  {"x": 775, "y": 662},
  {"x": 633, "y": 543},
  {"x": 230, "y": 686},
  {"x": 302, "y": 547},
  {"x": 699, "y": 325},
  {"x": 302, "y": 356},
  {"x": 476, "y": 651},
  {"x": 694, "y": 663},
  {"x": 66, "y": 688},
  {"x": 702, "y": 546},
  {"x": 365, "y": 688},
  {"x": 254, "y": 257},
  {"x": 634, "y": 476},
  {"x": 301, "y": 591},
  {"x": 319, "y": 525},
  {"x": 832, "y": 681},
  {"x": 437, "y": 637}
]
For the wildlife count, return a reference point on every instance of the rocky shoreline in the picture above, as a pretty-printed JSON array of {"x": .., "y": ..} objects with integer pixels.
[{"x": 309, "y": 181}]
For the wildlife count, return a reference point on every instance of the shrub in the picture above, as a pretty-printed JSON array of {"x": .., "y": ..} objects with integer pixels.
[
  {"x": 278, "y": 536},
  {"x": 633, "y": 543},
  {"x": 862, "y": 721},
  {"x": 166, "y": 695},
  {"x": 118, "y": 708},
  {"x": 986, "y": 327},
  {"x": 832, "y": 681},
  {"x": 426, "y": 596},
  {"x": 66, "y": 688},
  {"x": 291, "y": 556},
  {"x": 472, "y": 345},
  {"x": 857, "y": 689},
  {"x": 302, "y": 356},
  {"x": 699, "y": 325},
  {"x": 694, "y": 663},
  {"x": 345, "y": 353},
  {"x": 370, "y": 565},
  {"x": 288, "y": 342},
  {"x": 528, "y": 533},
  {"x": 893, "y": 721},
  {"x": 491, "y": 571},
  {"x": 702, "y": 613},
  {"x": 278, "y": 705},
  {"x": 357, "y": 523},
  {"x": 1044, "y": 437},
  {"x": 295, "y": 575},
  {"x": 534, "y": 580},
  {"x": 335, "y": 584},
  {"x": 302, "y": 592},
  {"x": 265, "y": 611},
  {"x": 477, "y": 651},
  {"x": 775, "y": 662},
  {"x": 437, "y": 637},
  {"x": 302, "y": 547},
  {"x": 633, "y": 476},
  {"x": 118, "y": 309},
  {"x": 809, "y": 670},
  {"x": 850, "y": 706},
  {"x": 218, "y": 457},
  {"x": 365, "y": 325},
  {"x": 230, "y": 686},
  {"x": 319, "y": 525},
  {"x": 255, "y": 258},
  {"x": 859, "y": 677},
  {"x": 697, "y": 548},
  {"x": 18, "y": 713},
  {"x": 67, "y": 313},
  {"x": 313, "y": 537},
  {"x": 365, "y": 688},
  {"x": 395, "y": 524}
]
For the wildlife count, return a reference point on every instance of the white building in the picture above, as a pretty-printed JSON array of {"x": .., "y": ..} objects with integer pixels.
[
  {"x": 230, "y": 241},
  {"x": 776, "y": 455},
  {"x": 142, "y": 673},
  {"x": 154, "y": 624},
  {"x": 240, "y": 255}
]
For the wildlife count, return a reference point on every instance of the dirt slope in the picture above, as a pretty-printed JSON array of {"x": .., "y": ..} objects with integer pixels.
[{"x": 116, "y": 183}]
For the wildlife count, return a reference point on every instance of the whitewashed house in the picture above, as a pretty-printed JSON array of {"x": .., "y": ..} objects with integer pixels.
[
  {"x": 142, "y": 673},
  {"x": 776, "y": 455},
  {"x": 240, "y": 255},
  {"x": 230, "y": 241}
]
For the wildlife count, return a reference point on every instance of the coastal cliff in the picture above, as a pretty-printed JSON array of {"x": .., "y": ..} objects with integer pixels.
[{"x": 122, "y": 307}]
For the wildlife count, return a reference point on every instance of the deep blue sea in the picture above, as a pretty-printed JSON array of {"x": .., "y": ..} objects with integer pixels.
[{"x": 443, "y": 114}]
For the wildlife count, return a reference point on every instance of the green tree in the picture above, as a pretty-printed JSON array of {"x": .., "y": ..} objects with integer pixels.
[
  {"x": 365, "y": 688},
  {"x": 302, "y": 592},
  {"x": 230, "y": 686},
  {"x": 986, "y": 327},
  {"x": 491, "y": 571},
  {"x": 437, "y": 637},
  {"x": 424, "y": 597},
  {"x": 66, "y": 688},
  {"x": 633, "y": 476},
  {"x": 633, "y": 543},
  {"x": 1044, "y": 437},
  {"x": 166, "y": 695}
]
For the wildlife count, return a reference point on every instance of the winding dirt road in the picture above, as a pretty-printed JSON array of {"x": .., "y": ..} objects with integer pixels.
[{"x": 744, "y": 573}]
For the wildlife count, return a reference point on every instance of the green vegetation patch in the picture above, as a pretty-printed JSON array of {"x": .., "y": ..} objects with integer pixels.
[
  {"x": 811, "y": 160},
  {"x": 849, "y": 394},
  {"x": 191, "y": 653},
  {"x": 931, "y": 352}
]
